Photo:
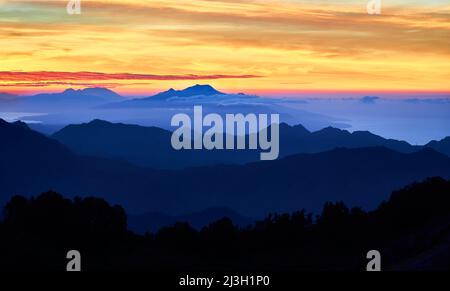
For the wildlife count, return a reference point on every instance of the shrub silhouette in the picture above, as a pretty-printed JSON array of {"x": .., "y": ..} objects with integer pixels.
[{"x": 37, "y": 232}]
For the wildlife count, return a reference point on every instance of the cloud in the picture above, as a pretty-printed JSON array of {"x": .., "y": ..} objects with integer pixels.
[
  {"x": 324, "y": 44},
  {"x": 44, "y": 78},
  {"x": 430, "y": 101},
  {"x": 80, "y": 84},
  {"x": 369, "y": 99}
]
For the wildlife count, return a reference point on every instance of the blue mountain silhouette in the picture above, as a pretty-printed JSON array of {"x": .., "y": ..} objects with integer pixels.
[
  {"x": 88, "y": 97},
  {"x": 7, "y": 97},
  {"x": 197, "y": 94},
  {"x": 197, "y": 90},
  {"x": 32, "y": 163},
  {"x": 151, "y": 146},
  {"x": 442, "y": 146}
]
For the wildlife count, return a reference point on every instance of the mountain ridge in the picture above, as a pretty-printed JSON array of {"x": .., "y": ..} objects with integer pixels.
[
  {"x": 32, "y": 163},
  {"x": 151, "y": 146},
  {"x": 200, "y": 94},
  {"x": 442, "y": 145},
  {"x": 196, "y": 90},
  {"x": 76, "y": 98}
]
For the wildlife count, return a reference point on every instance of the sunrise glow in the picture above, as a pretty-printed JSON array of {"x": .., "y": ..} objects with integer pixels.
[{"x": 265, "y": 47}]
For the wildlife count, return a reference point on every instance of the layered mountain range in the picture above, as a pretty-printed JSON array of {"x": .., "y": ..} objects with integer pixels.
[
  {"x": 32, "y": 163},
  {"x": 151, "y": 146}
]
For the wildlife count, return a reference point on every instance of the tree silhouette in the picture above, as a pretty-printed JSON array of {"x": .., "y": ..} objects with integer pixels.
[{"x": 37, "y": 232}]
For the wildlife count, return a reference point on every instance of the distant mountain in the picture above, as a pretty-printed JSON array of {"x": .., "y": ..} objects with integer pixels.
[
  {"x": 151, "y": 147},
  {"x": 152, "y": 222},
  {"x": 198, "y": 94},
  {"x": 88, "y": 94},
  {"x": 88, "y": 97},
  {"x": 31, "y": 163},
  {"x": 442, "y": 146},
  {"x": 7, "y": 97},
  {"x": 197, "y": 90}
]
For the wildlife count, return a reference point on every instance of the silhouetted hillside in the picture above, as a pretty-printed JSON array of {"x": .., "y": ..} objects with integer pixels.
[
  {"x": 19, "y": 142},
  {"x": 356, "y": 176},
  {"x": 442, "y": 146},
  {"x": 31, "y": 163},
  {"x": 143, "y": 146},
  {"x": 151, "y": 147},
  {"x": 37, "y": 232},
  {"x": 411, "y": 230}
]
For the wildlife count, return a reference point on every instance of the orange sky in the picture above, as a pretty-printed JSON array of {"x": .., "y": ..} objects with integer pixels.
[{"x": 135, "y": 47}]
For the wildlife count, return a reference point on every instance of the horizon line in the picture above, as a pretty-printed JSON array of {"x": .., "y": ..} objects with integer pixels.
[{"x": 262, "y": 92}]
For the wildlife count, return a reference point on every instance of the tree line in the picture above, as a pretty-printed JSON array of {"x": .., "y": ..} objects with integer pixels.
[{"x": 37, "y": 232}]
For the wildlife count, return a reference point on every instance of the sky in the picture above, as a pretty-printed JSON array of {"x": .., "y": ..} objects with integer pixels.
[{"x": 265, "y": 47}]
